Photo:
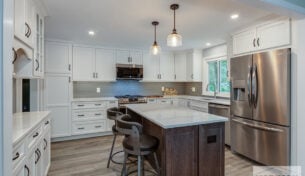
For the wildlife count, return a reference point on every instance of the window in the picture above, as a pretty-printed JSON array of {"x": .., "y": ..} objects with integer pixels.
[{"x": 217, "y": 76}]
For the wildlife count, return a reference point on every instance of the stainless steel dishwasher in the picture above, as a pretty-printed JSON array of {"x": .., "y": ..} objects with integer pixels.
[{"x": 222, "y": 110}]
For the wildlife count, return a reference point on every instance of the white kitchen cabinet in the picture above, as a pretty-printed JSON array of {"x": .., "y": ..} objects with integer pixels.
[
  {"x": 150, "y": 67},
  {"x": 272, "y": 34},
  {"x": 105, "y": 65},
  {"x": 180, "y": 67},
  {"x": 129, "y": 57},
  {"x": 83, "y": 63},
  {"x": 46, "y": 150},
  {"x": 164, "y": 101},
  {"x": 167, "y": 70},
  {"x": 91, "y": 116},
  {"x": 244, "y": 42},
  {"x": 58, "y": 95},
  {"x": 194, "y": 66},
  {"x": 58, "y": 58}
]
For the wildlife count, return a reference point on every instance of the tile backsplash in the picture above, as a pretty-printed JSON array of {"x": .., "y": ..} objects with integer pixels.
[{"x": 130, "y": 87}]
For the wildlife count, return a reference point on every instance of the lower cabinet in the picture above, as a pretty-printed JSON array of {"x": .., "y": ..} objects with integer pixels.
[
  {"x": 32, "y": 157},
  {"x": 91, "y": 116}
]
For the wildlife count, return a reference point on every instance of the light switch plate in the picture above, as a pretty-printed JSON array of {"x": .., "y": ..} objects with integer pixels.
[
  {"x": 162, "y": 88},
  {"x": 193, "y": 89},
  {"x": 98, "y": 90}
]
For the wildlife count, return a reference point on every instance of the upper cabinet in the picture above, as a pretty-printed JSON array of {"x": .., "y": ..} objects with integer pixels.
[
  {"x": 129, "y": 57},
  {"x": 194, "y": 66},
  {"x": 93, "y": 64},
  {"x": 180, "y": 67},
  {"x": 58, "y": 57},
  {"x": 269, "y": 35},
  {"x": 150, "y": 67},
  {"x": 167, "y": 67},
  {"x": 28, "y": 44}
]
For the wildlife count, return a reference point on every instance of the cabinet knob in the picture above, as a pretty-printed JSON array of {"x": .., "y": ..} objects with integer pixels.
[{"x": 254, "y": 45}]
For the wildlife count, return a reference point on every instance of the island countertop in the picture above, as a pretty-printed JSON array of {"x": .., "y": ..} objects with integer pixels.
[{"x": 171, "y": 116}]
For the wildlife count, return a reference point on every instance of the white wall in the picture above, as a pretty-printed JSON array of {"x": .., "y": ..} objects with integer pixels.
[
  {"x": 298, "y": 93},
  {"x": 6, "y": 69}
]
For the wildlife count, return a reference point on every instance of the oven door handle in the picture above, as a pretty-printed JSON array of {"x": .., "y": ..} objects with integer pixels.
[
  {"x": 218, "y": 106},
  {"x": 258, "y": 126}
]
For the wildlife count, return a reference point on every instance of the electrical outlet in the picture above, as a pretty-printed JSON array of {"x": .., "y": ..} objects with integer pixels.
[
  {"x": 193, "y": 89},
  {"x": 98, "y": 90},
  {"x": 162, "y": 88}
]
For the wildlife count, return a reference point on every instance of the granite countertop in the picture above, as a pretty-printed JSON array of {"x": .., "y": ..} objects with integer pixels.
[
  {"x": 24, "y": 122},
  {"x": 95, "y": 99},
  {"x": 170, "y": 116}
]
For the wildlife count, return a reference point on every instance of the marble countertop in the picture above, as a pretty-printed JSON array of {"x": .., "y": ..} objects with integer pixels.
[
  {"x": 170, "y": 116},
  {"x": 95, "y": 99},
  {"x": 200, "y": 98},
  {"x": 24, "y": 122}
]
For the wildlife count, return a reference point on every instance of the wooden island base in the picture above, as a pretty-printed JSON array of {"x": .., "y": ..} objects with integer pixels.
[{"x": 188, "y": 151}]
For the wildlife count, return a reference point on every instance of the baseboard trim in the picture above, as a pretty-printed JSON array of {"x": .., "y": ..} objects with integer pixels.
[{"x": 68, "y": 138}]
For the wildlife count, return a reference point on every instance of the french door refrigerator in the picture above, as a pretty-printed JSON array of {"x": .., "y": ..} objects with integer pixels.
[{"x": 260, "y": 107}]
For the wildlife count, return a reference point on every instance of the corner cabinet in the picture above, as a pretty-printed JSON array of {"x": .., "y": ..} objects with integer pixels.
[
  {"x": 93, "y": 64},
  {"x": 265, "y": 36}
]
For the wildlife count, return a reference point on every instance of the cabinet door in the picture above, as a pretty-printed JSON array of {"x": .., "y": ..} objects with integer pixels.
[
  {"x": 19, "y": 19},
  {"x": 180, "y": 67},
  {"x": 151, "y": 67},
  {"x": 136, "y": 57},
  {"x": 194, "y": 66},
  {"x": 244, "y": 42},
  {"x": 189, "y": 67},
  {"x": 167, "y": 70},
  {"x": 46, "y": 148},
  {"x": 57, "y": 100},
  {"x": 123, "y": 57},
  {"x": 105, "y": 65},
  {"x": 273, "y": 35},
  {"x": 58, "y": 58},
  {"x": 83, "y": 64},
  {"x": 30, "y": 21}
]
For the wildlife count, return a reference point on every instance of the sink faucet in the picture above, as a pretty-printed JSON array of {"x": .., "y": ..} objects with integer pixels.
[{"x": 207, "y": 88}]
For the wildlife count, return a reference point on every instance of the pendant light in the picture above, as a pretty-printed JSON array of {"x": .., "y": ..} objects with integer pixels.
[
  {"x": 155, "y": 49},
  {"x": 174, "y": 39}
]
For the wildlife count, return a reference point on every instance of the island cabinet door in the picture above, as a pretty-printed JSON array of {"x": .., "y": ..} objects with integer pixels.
[
  {"x": 211, "y": 150},
  {"x": 181, "y": 151}
]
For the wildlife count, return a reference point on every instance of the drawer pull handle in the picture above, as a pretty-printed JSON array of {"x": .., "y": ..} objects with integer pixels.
[
  {"x": 35, "y": 135},
  {"x": 80, "y": 105},
  {"x": 99, "y": 126},
  {"x": 27, "y": 170},
  {"x": 17, "y": 156},
  {"x": 98, "y": 114},
  {"x": 112, "y": 102},
  {"x": 98, "y": 104},
  {"x": 47, "y": 122},
  {"x": 81, "y": 128},
  {"x": 38, "y": 155},
  {"x": 81, "y": 115},
  {"x": 46, "y": 142}
]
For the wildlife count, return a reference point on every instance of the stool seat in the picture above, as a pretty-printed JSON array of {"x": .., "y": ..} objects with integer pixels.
[
  {"x": 114, "y": 130},
  {"x": 147, "y": 142}
]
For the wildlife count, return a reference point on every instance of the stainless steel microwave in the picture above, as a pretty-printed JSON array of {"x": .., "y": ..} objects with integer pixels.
[{"x": 129, "y": 71}]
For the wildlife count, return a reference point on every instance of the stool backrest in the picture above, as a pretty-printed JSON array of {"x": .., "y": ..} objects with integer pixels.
[{"x": 114, "y": 112}]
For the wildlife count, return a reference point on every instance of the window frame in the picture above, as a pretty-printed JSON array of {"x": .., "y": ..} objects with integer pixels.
[{"x": 206, "y": 75}]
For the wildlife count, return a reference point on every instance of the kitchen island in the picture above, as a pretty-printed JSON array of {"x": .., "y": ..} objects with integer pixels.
[{"x": 191, "y": 142}]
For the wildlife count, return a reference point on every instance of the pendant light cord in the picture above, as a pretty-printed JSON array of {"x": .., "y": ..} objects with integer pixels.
[
  {"x": 155, "y": 33},
  {"x": 174, "y": 21}
]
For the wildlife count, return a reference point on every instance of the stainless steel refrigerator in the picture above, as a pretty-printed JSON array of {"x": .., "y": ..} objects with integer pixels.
[{"x": 260, "y": 106}]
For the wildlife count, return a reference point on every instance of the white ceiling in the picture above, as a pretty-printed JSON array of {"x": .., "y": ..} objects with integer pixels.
[{"x": 127, "y": 23}]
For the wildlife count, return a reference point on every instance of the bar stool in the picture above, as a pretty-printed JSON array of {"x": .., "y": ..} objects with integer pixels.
[
  {"x": 136, "y": 143},
  {"x": 113, "y": 114}
]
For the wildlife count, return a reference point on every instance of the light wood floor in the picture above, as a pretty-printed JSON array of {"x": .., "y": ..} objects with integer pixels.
[{"x": 88, "y": 157}]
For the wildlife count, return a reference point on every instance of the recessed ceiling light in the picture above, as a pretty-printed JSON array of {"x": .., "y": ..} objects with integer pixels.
[
  {"x": 234, "y": 16},
  {"x": 91, "y": 33},
  {"x": 208, "y": 44}
]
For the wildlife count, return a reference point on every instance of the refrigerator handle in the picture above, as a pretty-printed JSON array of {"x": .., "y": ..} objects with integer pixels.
[
  {"x": 254, "y": 86},
  {"x": 258, "y": 126},
  {"x": 249, "y": 80}
]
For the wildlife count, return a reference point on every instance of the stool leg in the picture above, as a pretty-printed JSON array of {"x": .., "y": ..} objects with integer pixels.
[
  {"x": 139, "y": 165},
  {"x": 111, "y": 151},
  {"x": 124, "y": 170},
  {"x": 142, "y": 165},
  {"x": 157, "y": 164}
]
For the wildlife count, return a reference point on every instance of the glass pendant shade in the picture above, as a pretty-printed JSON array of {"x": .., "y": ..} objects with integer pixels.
[
  {"x": 174, "y": 40},
  {"x": 155, "y": 49}
]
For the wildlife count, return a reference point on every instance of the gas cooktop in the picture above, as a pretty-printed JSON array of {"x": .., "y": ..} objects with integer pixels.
[{"x": 131, "y": 99}]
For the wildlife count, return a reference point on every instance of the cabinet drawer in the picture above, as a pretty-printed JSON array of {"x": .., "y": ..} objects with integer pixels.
[
  {"x": 199, "y": 106},
  {"x": 164, "y": 101},
  {"x": 34, "y": 136},
  {"x": 88, "y": 115},
  {"x": 112, "y": 104},
  {"x": 18, "y": 153},
  {"x": 151, "y": 100},
  {"x": 46, "y": 124},
  {"x": 88, "y": 127},
  {"x": 89, "y": 105}
]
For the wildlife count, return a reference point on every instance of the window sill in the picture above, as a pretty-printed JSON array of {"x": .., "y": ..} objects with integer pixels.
[{"x": 220, "y": 95}]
